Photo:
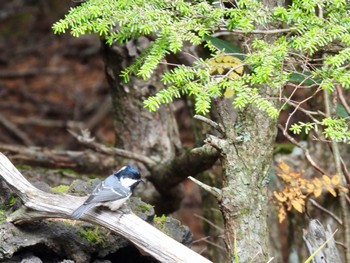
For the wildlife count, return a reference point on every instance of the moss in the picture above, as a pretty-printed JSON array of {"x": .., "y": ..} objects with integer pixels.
[
  {"x": 159, "y": 222},
  {"x": 143, "y": 207},
  {"x": 12, "y": 201},
  {"x": 23, "y": 167},
  {"x": 61, "y": 189},
  {"x": 93, "y": 235},
  {"x": 2, "y": 216}
]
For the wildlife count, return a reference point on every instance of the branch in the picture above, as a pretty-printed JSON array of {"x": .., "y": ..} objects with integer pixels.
[
  {"x": 213, "y": 190},
  {"x": 147, "y": 238},
  {"x": 15, "y": 131},
  {"x": 342, "y": 99},
  {"x": 305, "y": 150},
  {"x": 169, "y": 174},
  {"x": 89, "y": 141},
  {"x": 314, "y": 203},
  {"x": 211, "y": 123},
  {"x": 86, "y": 161}
]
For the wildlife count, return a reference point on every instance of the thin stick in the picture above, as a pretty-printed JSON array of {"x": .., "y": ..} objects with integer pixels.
[
  {"x": 211, "y": 123},
  {"x": 209, "y": 222},
  {"x": 17, "y": 132},
  {"x": 213, "y": 190},
  {"x": 314, "y": 203},
  {"x": 89, "y": 141},
  {"x": 305, "y": 150}
]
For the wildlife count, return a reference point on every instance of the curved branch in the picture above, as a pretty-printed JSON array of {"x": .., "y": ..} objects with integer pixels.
[
  {"x": 169, "y": 174},
  {"x": 144, "y": 236},
  {"x": 87, "y": 160},
  {"x": 89, "y": 141}
]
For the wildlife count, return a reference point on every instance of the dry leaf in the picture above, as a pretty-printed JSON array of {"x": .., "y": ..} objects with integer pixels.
[{"x": 298, "y": 205}]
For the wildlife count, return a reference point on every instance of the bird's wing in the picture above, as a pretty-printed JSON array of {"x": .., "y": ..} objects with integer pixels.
[{"x": 105, "y": 192}]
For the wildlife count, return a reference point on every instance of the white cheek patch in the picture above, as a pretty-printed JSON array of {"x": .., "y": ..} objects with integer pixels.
[{"x": 127, "y": 182}]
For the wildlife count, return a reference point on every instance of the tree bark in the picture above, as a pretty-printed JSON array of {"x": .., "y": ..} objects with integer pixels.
[
  {"x": 246, "y": 157},
  {"x": 153, "y": 134}
]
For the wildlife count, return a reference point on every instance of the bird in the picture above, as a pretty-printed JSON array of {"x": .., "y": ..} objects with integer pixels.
[{"x": 113, "y": 192}]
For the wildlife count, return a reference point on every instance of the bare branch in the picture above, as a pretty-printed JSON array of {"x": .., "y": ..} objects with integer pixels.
[
  {"x": 89, "y": 141},
  {"x": 87, "y": 161},
  {"x": 314, "y": 203},
  {"x": 171, "y": 173},
  {"x": 209, "y": 222},
  {"x": 211, "y": 123},
  {"x": 15, "y": 131},
  {"x": 213, "y": 190},
  {"x": 147, "y": 238},
  {"x": 305, "y": 150},
  {"x": 342, "y": 99}
]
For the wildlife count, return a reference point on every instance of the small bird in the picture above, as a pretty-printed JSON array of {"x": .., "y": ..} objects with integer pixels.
[{"x": 113, "y": 191}]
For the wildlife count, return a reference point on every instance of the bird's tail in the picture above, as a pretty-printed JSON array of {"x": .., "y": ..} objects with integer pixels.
[{"x": 81, "y": 210}]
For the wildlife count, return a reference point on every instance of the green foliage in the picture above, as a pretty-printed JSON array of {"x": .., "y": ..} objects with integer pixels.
[{"x": 311, "y": 27}]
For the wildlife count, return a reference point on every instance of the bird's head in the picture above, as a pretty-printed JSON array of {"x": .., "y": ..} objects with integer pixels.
[{"x": 129, "y": 176}]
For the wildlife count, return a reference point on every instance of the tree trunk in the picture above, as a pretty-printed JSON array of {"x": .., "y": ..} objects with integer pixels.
[
  {"x": 246, "y": 157},
  {"x": 153, "y": 134}
]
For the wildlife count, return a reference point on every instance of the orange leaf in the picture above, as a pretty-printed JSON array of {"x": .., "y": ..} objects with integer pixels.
[
  {"x": 317, "y": 192},
  {"x": 281, "y": 214},
  {"x": 335, "y": 179},
  {"x": 331, "y": 190},
  {"x": 317, "y": 182},
  {"x": 280, "y": 196},
  {"x": 284, "y": 167},
  {"x": 298, "y": 205},
  {"x": 310, "y": 187},
  {"x": 326, "y": 179}
]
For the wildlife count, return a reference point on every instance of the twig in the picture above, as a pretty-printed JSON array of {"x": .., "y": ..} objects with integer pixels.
[
  {"x": 297, "y": 107},
  {"x": 209, "y": 222},
  {"x": 211, "y": 123},
  {"x": 89, "y": 141},
  {"x": 189, "y": 163},
  {"x": 17, "y": 132},
  {"x": 213, "y": 190},
  {"x": 305, "y": 150},
  {"x": 314, "y": 203},
  {"x": 87, "y": 161},
  {"x": 214, "y": 244},
  {"x": 46, "y": 205},
  {"x": 342, "y": 99}
]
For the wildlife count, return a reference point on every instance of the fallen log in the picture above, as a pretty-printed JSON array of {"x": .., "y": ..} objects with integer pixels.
[{"x": 42, "y": 205}]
